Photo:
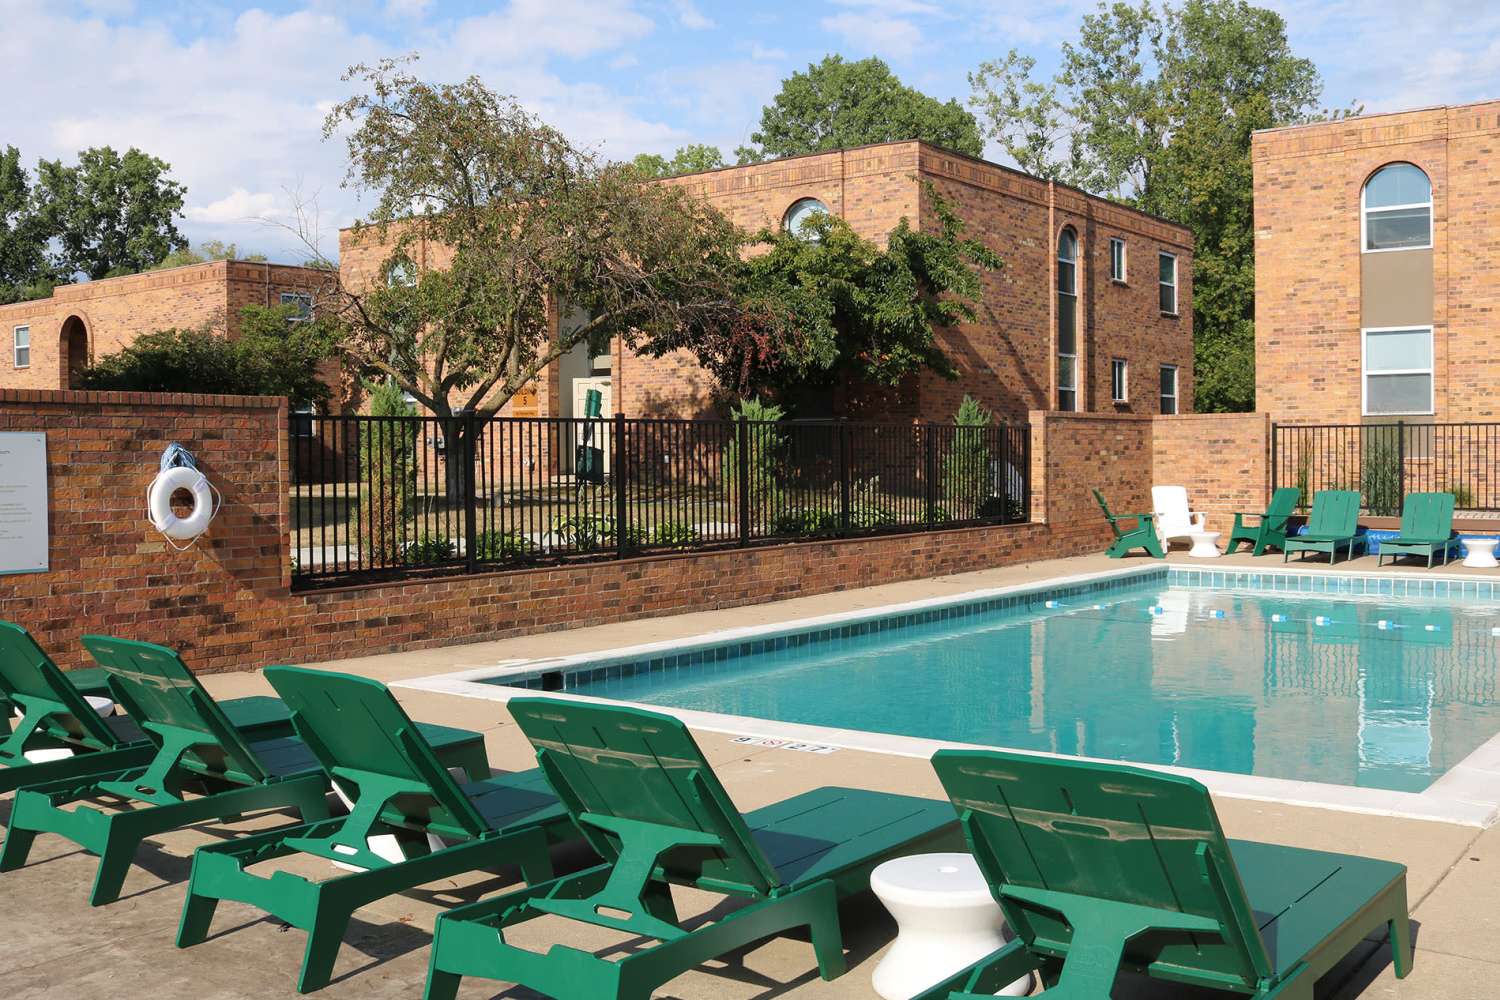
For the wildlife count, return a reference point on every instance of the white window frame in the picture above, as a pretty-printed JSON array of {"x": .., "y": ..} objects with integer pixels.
[
  {"x": 1430, "y": 371},
  {"x": 296, "y": 298},
  {"x": 1364, "y": 216},
  {"x": 1176, "y": 277},
  {"x": 1175, "y": 397},
  {"x": 1068, "y": 361},
  {"x": 16, "y": 347},
  {"x": 1124, "y": 368},
  {"x": 1118, "y": 241}
]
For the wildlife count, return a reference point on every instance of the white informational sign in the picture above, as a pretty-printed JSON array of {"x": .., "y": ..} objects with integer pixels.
[{"x": 23, "y": 503}]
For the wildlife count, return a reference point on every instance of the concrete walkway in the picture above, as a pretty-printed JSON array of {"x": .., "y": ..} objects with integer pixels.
[{"x": 56, "y": 946}]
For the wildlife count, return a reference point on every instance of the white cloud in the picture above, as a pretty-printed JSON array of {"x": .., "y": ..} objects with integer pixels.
[
  {"x": 893, "y": 7},
  {"x": 689, "y": 16},
  {"x": 868, "y": 31},
  {"x": 240, "y": 206},
  {"x": 415, "y": 9}
]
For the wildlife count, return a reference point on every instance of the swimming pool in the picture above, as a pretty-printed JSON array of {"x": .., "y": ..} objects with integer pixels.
[{"x": 1370, "y": 682}]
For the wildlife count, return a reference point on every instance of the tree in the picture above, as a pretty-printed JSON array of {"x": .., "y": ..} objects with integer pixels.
[
  {"x": 837, "y": 104},
  {"x": 1156, "y": 106},
  {"x": 275, "y": 354},
  {"x": 691, "y": 159},
  {"x": 388, "y": 463},
  {"x": 845, "y": 309},
  {"x": 24, "y": 272},
  {"x": 206, "y": 251},
  {"x": 525, "y": 220},
  {"x": 109, "y": 214}
]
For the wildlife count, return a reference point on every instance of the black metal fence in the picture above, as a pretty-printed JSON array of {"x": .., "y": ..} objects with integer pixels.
[
  {"x": 382, "y": 497},
  {"x": 1387, "y": 461}
]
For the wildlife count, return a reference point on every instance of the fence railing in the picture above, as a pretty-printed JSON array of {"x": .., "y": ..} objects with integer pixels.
[
  {"x": 383, "y": 497},
  {"x": 1386, "y": 461}
]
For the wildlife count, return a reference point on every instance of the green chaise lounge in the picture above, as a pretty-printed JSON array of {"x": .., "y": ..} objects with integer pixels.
[
  {"x": 1332, "y": 527},
  {"x": 196, "y": 749},
  {"x": 92, "y": 681},
  {"x": 1426, "y": 529},
  {"x": 1142, "y": 536},
  {"x": 648, "y": 802},
  {"x": 62, "y": 733},
  {"x": 1269, "y": 528},
  {"x": 1102, "y": 867},
  {"x": 402, "y": 795}
]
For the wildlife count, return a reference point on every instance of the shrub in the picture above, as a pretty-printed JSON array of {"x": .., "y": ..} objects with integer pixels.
[
  {"x": 805, "y": 522},
  {"x": 502, "y": 546},
  {"x": 865, "y": 509},
  {"x": 767, "y": 448},
  {"x": 1463, "y": 496},
  {"x": 675, "y": 533},
  {"x": 966, "y": 466},
  {"x": 430, "y": 549},
  {"x": 1380, "y": 479},
  {"x": 388, "y": 470},
  {"x": 585, "y": 532}
]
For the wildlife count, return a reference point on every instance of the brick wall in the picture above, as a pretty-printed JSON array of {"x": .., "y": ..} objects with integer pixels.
[
  {"x": 111, "y": 313},
  {"x": 1308, "y": 278},
  {"x": 1222, "y": 458},
  {"x": 227, "y": 603}
]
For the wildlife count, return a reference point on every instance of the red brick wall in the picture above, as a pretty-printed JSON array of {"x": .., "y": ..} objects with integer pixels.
[
  {"x": 1222, "y": 458},
  {"x": 115, "y": 311},
  {"x": 227, "y": 604}
]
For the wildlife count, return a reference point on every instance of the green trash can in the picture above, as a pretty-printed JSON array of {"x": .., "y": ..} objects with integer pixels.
[{"x": 588, "y": 460}]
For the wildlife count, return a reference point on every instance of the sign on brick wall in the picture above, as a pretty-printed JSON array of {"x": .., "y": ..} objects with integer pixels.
[{"x": 23, "y": 503}]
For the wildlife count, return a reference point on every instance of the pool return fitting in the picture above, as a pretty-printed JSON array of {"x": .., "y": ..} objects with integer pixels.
[{"x": 179, "y": 471}]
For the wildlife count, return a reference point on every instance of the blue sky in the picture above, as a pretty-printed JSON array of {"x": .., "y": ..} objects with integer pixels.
[{"x": 233, "y": 95}]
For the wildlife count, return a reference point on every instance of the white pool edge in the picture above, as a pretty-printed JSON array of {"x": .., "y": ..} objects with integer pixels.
[{"x": 1467, "y": 794}]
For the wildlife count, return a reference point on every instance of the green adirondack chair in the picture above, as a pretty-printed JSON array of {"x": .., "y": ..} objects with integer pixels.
[
  {"x": 648, "y": 802},
  {"x": 1426, "y": 529},
  {"x": 1100, "y": 867},
  {"x": 403, "y": 794},
  {"x": 1142, "y": 536},
  {"x": 55, "y": 715},
  {"x": 1269, "y": 528},
  {"x": 1333, "y": 526},
  {"x": 196, "y": 748}
]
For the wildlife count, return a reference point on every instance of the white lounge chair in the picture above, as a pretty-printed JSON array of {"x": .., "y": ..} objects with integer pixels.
[{"x": 1173, "y": 519}]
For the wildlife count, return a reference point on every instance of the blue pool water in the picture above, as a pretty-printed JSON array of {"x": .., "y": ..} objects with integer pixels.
[{"x": 1378, "y": 691}]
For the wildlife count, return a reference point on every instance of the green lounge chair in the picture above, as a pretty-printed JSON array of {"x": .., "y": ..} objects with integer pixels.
[
  {"x": 1269, "y": 528},
  {"x": 1100, "y": 867},
  {"x": 1142, "y": 536},
  {"x": 1426, "y": 529},
  {"x": 56, "y": 716},
  {"x": 1333, "y": 526},
  {"x": 648, "y": 802},
  {"x": 403, "y": 794},
  {"x": 195, "y": 748}
]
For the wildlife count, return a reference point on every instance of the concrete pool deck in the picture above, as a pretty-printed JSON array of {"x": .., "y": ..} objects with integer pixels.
[{"x": 58, "y": 946}]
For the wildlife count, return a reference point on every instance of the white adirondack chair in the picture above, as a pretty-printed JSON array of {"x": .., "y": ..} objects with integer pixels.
[{"x": 1173, "y": 519}]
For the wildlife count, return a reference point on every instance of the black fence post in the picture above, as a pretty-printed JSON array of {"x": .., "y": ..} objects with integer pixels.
[
  {"x": 1400, "y": 467},
  {"x": 742, "y": 476},
  {"x": 929, "y": 443},
  {"x": 845, "y": 483},
  {"x": 471, "y": 535},
  {"x": 1275, "y": 468},
  {"x": 621, "y": 480}
]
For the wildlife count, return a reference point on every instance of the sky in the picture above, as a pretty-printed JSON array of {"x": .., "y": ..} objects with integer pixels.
[{"x": 233, "y": 96}]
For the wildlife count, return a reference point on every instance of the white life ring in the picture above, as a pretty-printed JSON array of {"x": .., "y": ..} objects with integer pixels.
[{"x": 159, "y": 502}]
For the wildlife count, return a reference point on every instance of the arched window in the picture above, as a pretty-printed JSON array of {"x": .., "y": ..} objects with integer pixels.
[
  {"x": 803, "y": 211},
  {"x": 1397, "y": 209},
  {"x": 1067, "y": 320}
]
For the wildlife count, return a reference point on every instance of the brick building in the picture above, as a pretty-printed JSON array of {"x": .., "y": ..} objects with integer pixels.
[
  {"x": 1092, "y": 311},
  {"x": 50, "y": 340},
  {"x": 1377, "y": 239}
]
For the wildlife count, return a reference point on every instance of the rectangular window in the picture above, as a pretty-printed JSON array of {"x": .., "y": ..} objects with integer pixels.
[
  {"x": 1067, "y": 335},
  {"x": 1169, "y": 389},
  {"x": 23, "y": 346},
  {"x": 1119, "y": 380},
  {"x": 1117, "y": 259},
  {"x": 301, "y": 302},
  {"x": 1168, "y": 284},
  {"x": 1398, "y": 371}
]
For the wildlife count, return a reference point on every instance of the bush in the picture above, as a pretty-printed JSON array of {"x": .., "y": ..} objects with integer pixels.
[
  {"x": 502, "y": 546},
  {"x": 1380, "y": 479},
  {"x": 272, "y": 356},
  {"x": 388, "y": 470},
  {"x": 805, "y": 522},
  {"x": 1463, "y": 496},
  {"x": 767, "y": 447},
  {"x": 966, "y": 466},
  {"x": 865, "y": 509},
  {"x": 675, "y": 533},
  {"x": 585, "y": 532},
  {"x": 431, "y": 549}
]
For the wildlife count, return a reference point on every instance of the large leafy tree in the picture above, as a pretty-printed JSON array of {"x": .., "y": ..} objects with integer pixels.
[
  {"x": 1156, "y": 106},
  {"x": 276, "y": 353},
  {"x": 109, "y": 214},
  {"x": 691, "y": 159},
  {"x": 524, "y": 219},
  {"x": 837, "y": 104},
  {"x": 841, "y": 309},
  {"x": 24, "y": 270}
]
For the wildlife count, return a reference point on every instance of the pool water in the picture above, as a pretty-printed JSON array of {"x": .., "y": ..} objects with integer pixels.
[{"x": 1375, "y": 692}]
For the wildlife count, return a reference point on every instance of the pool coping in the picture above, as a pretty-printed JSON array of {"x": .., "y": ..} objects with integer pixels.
[{"x": 1468, "y": 793}]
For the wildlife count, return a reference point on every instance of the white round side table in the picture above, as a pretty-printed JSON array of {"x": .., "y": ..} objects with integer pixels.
[
  {"x": 1205, "y": 545},
  {"x": 945, "y": 918},
  {"x": 1480, "y": 553}
]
